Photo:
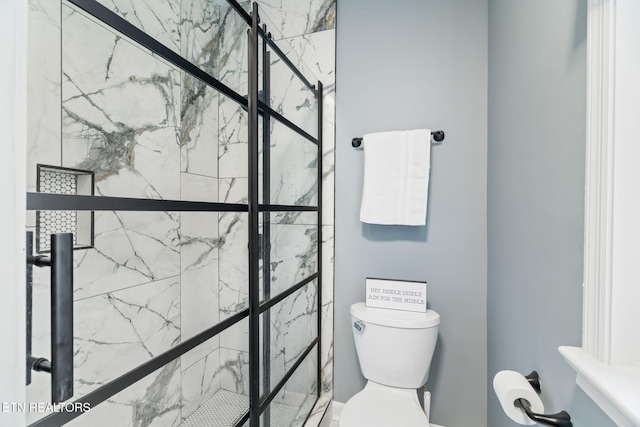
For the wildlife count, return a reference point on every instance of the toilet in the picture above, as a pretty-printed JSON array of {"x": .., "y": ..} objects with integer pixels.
[{"x": 394, "y": 349}]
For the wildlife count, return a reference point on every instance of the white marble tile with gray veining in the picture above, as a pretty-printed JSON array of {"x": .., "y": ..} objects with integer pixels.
[
  {"x": 293, "y": 325},
  {"x": 199, "y": 280},
  {"x": 160, "y": 18},
  {"x": 199, "y": 241},
  {"x": 43, "y": 88},
  {"x": 290, "y": 96},
  {"x": 232, "y": 71},
  {"x": 233, "y": 137},
  {"x": 120, "y": 112},
  {"x": 328, "y": 162},
  {"x": 233, "y": 264},
  {"x": 301, "y": 388},
  {"x": 234, "y": 190},
  {"x": 198, "y": 188},
  {"x": 199, "y": 245},
  {"x": 234, "y": 269},
  {"x": 288, "y": 18},
  {"x": 200, "y": 28},
  {"x": 118, "y": 331},
  {"x": 214, "y": 38},
  {"x": 309, "y": 218},
  {"x": 326, "y": 373},
  {"x": 131, "y": 248},
  {"x": 305, "y": 408},
  {"x": 233, "y": 62},
  {"x": 294, "y": 168},
  {"x": 236, "y": 337},
  {"x": 235, "y": 372},
  {"x": 317, "y": 50},
  {"x": 326, "y": 334},
  {"x": 199, "y": 106},
  {"x": 318, "y": 53},
  {"x": 153, "y": 401},
  {"x": 200, "y": 382},
  {"x": 198, "y": 134},
  {"x": 319, "y": 409},
  {"x": 293, "y": 254}
]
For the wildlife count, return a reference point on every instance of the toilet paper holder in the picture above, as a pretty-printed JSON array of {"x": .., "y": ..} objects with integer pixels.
[
  {"x": 561, "y": 419},
  {"x": 534, "y": 380}
]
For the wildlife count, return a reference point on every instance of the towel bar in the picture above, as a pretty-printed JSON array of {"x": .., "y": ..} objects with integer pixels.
[{"x": 438, "y": 136}]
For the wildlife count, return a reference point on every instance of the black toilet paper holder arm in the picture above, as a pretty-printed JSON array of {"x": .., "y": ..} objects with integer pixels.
[
  {"x": 561, "y": 419},
  {"x": 534, "y": 380}
]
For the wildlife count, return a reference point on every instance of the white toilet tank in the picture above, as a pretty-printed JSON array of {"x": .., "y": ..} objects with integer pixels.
[{"x": 394, "y": 347}]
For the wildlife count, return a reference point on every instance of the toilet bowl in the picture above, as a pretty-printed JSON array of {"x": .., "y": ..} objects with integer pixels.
[
  {"x": 379, "y": 405},
  {"x": 394, "y": 350}
]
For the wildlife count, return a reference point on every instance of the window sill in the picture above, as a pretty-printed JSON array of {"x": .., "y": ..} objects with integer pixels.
[{"x": 615, "y": 389}]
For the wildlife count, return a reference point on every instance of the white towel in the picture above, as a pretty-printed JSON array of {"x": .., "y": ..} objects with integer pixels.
[{"x": 396, "y": 177}]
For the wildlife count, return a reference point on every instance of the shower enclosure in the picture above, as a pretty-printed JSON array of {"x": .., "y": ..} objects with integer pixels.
[{"x": 174, "y": 219}]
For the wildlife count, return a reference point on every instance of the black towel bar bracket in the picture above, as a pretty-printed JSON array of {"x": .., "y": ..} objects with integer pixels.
[{"x": 437, "y": 135}]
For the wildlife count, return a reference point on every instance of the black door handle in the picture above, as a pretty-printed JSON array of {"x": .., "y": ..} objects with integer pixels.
[{"x": 61, "y": 364}]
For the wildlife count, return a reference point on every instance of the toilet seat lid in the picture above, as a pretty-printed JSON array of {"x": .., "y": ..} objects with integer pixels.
[{"x": 382, "y": 406}]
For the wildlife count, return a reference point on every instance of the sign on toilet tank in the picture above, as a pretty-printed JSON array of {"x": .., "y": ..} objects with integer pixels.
[{"x": 396, "y": 294}]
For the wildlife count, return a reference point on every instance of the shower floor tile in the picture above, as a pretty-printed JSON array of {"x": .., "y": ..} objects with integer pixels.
[{"x": 224, "y": 408}]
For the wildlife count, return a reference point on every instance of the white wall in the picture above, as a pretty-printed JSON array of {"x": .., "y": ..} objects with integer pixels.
[{"x": 13, "y": 45}]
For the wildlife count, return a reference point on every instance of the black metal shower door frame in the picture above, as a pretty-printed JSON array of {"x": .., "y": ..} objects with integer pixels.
[{"x": 256, "y": 107}]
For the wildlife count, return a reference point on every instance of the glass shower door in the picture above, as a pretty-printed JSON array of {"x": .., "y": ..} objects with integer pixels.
[
  {"x": 290, "y": 218},
  {"x": 139, "y": 151},
  {"x": 144, "y": 163}
]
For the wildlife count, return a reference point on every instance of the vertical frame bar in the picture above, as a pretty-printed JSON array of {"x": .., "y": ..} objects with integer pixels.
[
  {"x": 254, "y": 246},
  {"x": 319, "y": 94},
  {"x": 266, "y": 226},
  {"x": 29, "y": 329},
  {"x": 61, "y": 317}
]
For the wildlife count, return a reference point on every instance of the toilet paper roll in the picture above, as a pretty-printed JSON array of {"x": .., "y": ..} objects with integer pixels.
[{"x": 511, "y": 385}]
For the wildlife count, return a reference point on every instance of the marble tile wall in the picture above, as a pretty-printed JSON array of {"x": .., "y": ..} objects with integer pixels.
[
  {"x": 44, "y": 96},
  {"x": 294, "y": 168},
  {"x": 151, "y": 131},
  {"x": 155, "y": 400},
  {"x": 293, "y": 18},
  {"x": 120, "y": 117},
  {"x": 293, "y": 321}
]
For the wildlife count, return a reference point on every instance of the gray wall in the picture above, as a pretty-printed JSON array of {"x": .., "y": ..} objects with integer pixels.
[
  {"x": 537, "y": 104},
  {"x": 412, "y": 64}
]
